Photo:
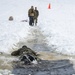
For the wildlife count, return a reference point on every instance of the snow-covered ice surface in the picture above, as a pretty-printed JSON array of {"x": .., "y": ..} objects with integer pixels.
[
  {"x": 55, "y": 30},
  {"x": 11, "y": 33},
  {"x": 59, "y": 26}
]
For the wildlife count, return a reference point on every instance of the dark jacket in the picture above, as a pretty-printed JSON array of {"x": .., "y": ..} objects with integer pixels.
[
  {"x": 36, "y": 14},
  {"x": 31, "y": 12}
]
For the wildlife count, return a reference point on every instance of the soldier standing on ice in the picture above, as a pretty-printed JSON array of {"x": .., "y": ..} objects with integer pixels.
[
  {"x": 36, "y": 15},
  {"x": 31, "y": 14}
]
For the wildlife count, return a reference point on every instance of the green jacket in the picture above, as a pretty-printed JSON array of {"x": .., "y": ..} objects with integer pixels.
[
  {"x": 36, "y": 14},
  {"x": 31, "y": 12}
]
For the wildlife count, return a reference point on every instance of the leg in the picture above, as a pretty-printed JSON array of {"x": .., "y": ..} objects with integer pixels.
[
  {"x": 30, "y": 20},
  {"x": 36, "y": 21}
]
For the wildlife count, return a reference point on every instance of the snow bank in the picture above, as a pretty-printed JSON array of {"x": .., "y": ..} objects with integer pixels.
[
  {"x": 11, "y": 33},
  {"x": 58, "y": 26}
]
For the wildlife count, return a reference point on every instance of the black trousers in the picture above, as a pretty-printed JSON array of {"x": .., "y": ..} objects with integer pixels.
[{"x": 31, "y": 20}]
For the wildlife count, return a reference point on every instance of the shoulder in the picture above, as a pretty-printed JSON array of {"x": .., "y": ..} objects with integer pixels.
[
  {"x": 37, "y": 11},
  {"x": 29, "y": 10}
]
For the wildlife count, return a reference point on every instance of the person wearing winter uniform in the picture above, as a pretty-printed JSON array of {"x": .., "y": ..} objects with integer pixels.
[
  {"x": 36, "y": 15},
  {"x": 31, "y": 14}
]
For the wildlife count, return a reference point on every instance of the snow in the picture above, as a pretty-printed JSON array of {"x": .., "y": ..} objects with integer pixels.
[
  {"x": 34, "y": 62},
  {"x": 5, "y": 72},
  {"x": 11, "y": 33},
  {"x": 57, "y": 23},
  {"x": 58, "y": 26}
]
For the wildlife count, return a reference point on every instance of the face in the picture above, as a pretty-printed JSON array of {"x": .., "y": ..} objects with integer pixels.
[
  {"x": 32, "y": 7},
  {"x": 35, "y": 8}
]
